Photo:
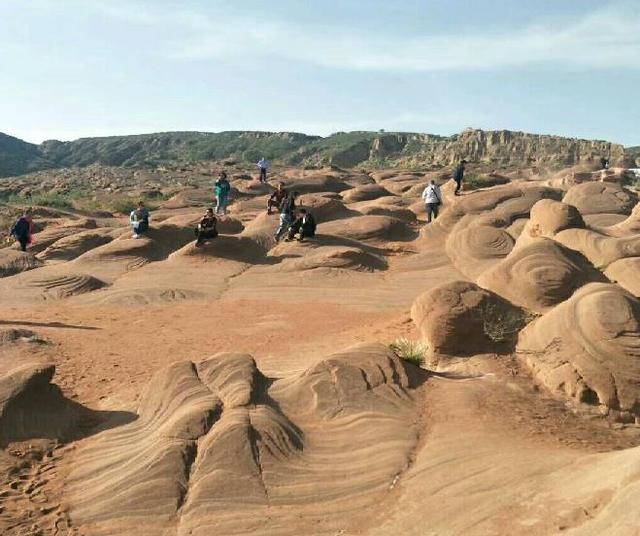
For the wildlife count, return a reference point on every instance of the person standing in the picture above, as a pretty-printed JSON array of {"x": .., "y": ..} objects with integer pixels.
[
  {"x": 22, "y": 230},
  {"x": 222, "y": 190},
  {"x": 287, "y": 212},
  {"x": 458, "y": 176},
  {"x": 432, "y": 198},
  {"x": 604, "y": 162},
  {"x": 263, "y": 165}
]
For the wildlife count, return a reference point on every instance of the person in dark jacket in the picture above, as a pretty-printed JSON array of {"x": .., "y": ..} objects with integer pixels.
[
  {"x": 458, "y": 176},
  {"x": 207, "y": 228},
  {"x": 139, "y": 220},
  {"x": 305, "y": 224},
  {"x": 604, "y": 162},
  {"x": 287, "y": 212},
  {"x": 22, "y": 230},
  {"x": 277, "y": 197}
]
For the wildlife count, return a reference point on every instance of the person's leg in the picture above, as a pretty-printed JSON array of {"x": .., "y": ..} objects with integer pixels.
[
  {"x": 436, "y": 208},
  {"x": 218, "y": 203},
  {"x": 458, "y": 186},
  {"x": 23, "y": 243},
  {"x": 263, "y": 175},
  {"x": 285, "y": 222},
  {"x": 225, "y": 203}
]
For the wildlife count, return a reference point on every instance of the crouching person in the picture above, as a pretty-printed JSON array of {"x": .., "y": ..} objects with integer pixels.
[
  {"x": 277, "y": 198},
  {"x": 139, "y": 219},
  {"x": 207, "y": 228},
  {"x": 304, "y": 225}
]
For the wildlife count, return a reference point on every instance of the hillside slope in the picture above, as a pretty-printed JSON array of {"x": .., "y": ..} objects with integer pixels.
[
  {"x": 18, "y": 157},
  {"x": 344, "y": 149}
]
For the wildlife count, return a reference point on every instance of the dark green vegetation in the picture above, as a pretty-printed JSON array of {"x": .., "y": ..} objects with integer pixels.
[{"x": 344, "y": 149}]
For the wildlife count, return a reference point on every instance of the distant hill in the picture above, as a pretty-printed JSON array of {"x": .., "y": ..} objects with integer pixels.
[
  {"x": 345, "y": 149},
  {"x": 18, "y": 157}
]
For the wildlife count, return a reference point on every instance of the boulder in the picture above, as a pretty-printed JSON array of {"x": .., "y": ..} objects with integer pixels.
[{"x": 460, "y": 318}]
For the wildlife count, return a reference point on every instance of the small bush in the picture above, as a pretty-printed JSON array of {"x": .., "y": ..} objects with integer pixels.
[
  {"x": 473, "y": 182},
  {"x": 413, "y": 351},
  {"x": 500, "y": 324},
  {"x": 124, "y": 205},
  {"x": 52, "y": 200}
]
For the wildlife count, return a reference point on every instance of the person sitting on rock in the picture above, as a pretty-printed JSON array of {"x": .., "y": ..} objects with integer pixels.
[
  {"x": 207, "y": 228},
  {"x": 139, "y": 219},
  {"x": 604, "y": 162},
  {"x": 222, "y": 190},
  {"x": 277, "y": 197},
  {"x": 22, "y": 230},
  {"x": 305, "y": 224},
  {"x": 432, "y": 199},
  {"x": 287, "y": 211}
]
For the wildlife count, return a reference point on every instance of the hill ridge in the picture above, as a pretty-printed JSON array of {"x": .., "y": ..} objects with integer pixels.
[{"x": 345, "y": 149}]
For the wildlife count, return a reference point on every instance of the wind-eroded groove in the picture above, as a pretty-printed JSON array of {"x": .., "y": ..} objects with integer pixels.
[
  {"x": 254, "y": 440},
  {"x": 191, "y": 454}
]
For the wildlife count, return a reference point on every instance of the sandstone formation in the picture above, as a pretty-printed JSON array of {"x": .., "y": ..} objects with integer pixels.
[
  {"x": 539, "y": 275},
  {"x": 374, "y": 228},
  {"x": 588, "y": 349},
  {"x": 600, "y": 197},
  {"x": 549, "y": 217},
  {"x": 601, "y": 250},
  {"x": 217, "y": 446},
  {"x": 13, "y": 262},
  {"x": 461, "y": 318},
  {"x": 31, "y": 407}
]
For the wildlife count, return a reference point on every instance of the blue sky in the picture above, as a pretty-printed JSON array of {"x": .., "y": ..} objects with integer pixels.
[{"x": 74, "y": 68}]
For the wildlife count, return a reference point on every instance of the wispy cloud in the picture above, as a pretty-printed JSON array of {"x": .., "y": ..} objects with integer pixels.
[{"x": 609, "y": 37}]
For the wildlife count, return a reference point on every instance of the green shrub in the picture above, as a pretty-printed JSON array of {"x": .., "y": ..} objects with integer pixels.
[
  {"x": 63, "y": 201},
  {"x": 413, "y": 351},
  {"x": 502, "y": 324},
  {"x": 124, "y": 205}
]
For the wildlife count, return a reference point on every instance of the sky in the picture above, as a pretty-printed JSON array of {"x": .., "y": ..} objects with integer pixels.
[{"x": 78, "y": 68}]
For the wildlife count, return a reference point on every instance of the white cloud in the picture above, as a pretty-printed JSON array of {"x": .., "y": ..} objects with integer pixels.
[
  {"x": 605, "y": 38},
  {"x": 608, "y": 37}
]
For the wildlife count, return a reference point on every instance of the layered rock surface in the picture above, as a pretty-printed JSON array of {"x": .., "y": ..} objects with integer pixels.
[{"x": 219, "y": 447}]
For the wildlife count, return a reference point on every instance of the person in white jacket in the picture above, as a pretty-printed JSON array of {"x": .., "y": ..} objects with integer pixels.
[
  {"x": 432, "y": 199},
  {"x": 263, "y": 165}
]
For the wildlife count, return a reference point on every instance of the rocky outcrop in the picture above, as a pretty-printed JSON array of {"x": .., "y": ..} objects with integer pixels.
[
  {"x": 588, "y": 349},
  {"x": 460, "y": 318},
  {"x": 219, "y": 448}
]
